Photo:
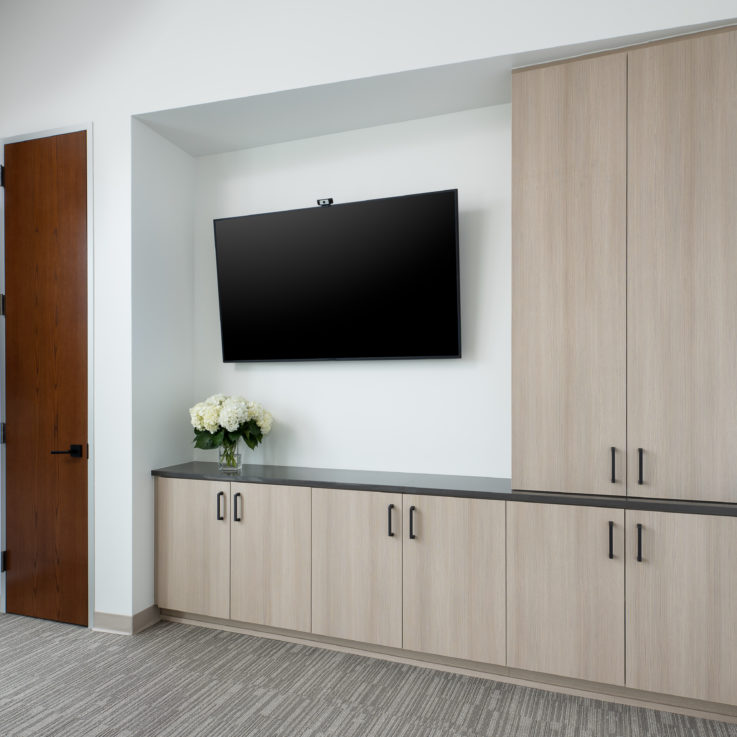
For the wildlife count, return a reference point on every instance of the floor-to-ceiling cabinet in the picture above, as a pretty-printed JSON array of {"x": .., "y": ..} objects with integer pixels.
[{"x": 657, "y": 123}]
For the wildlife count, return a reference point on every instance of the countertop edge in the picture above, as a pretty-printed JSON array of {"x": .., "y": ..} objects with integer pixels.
[{"x": 435, "y": 485}]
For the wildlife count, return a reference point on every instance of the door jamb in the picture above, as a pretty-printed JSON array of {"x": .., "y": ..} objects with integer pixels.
[{"x": 90, "y": 361}]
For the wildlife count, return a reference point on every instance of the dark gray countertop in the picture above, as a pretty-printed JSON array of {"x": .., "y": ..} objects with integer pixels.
[
  {"x": 329, "y": 478},
  {"x": 479, "y": 487}
]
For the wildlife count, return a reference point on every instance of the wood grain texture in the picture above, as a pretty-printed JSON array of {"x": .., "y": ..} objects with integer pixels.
[
  {"x": 270, "y": 580},
  {"x": 569, "y": 276},
  {"x": 565, "y": 596},
  {"x": 682, "y": 268},
  {"x": 455, "y": 578},
  {"x": 46, "y": 360},
  {"x": 192, "y": 547},
  {"x": 356, "y": 566},
  {"x": 682, "y": 606}
]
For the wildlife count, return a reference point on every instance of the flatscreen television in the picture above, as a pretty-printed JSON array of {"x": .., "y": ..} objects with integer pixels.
[{"x": 376, "y": 279}]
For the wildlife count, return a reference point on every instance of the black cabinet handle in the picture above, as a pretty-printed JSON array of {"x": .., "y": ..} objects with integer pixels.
[
  {"x": 614, "y": 465},
  {"x": 611, "y": 539},
  {"x": 220, "y": 515},
  {"x": 75, "y": 451},
  {"x": 236, "y": 517},
  {"x": 639, "y": 543},
  {"x": 412, "y": 535},
  {"x": 640, "y": 453},
  {"x": 389, "y": 520}
]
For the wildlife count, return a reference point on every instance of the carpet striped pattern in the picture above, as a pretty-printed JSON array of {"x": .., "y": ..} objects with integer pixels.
[{"x": 175, "y": 680}]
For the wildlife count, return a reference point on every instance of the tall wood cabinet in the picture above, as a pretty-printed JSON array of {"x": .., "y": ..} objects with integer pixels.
[
  {"x": 682, "y": 268},
  {"x": 569, "y": 155},
  {"x": 657, "y": 123}
]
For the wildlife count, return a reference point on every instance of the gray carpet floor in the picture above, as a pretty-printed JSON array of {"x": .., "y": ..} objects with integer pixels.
[{"x": 178, "y": 680}]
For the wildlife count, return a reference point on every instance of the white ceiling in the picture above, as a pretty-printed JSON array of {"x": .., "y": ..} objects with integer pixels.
[{"x": 259, "y": 120}]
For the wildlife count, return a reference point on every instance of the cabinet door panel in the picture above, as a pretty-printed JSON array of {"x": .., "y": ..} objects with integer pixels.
[
  {"x": 454, "y": 578},
  {"x": 271, "y": 556},
  {"x": 193, "y": 547},
  {"x": 569, "y": 276},
  {"x": 682, "y": 605},
  {"x": 356, "y": 566},
  {"x": 682, "y": 268},
  {"x": 565, "y": 606}
]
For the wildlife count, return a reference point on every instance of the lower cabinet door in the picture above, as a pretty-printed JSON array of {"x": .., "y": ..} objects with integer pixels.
[
  {"x": 454, "y": 577},
  {"x": 565, "y": 612},
  {"x": 270, "y": 580},
  {"x": 193, "y": 546},
  {"x": 357, "y": 565},
  {"x": 682, "y": 605}
]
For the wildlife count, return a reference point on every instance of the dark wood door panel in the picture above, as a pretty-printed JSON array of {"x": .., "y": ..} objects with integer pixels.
[{"x": 46, "y": 385}]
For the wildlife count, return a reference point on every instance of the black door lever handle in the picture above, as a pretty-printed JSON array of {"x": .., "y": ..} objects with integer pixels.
[{"x": 75, "y": 451}]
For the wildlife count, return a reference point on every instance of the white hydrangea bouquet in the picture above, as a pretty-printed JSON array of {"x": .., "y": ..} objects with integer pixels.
[{"x": 220, "y": 422}]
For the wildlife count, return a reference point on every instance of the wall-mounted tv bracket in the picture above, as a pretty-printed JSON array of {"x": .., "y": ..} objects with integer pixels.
[{"x": 325, "y": 202}]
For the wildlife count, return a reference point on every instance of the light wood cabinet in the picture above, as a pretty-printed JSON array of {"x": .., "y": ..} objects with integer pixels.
[
  {"x": 454, "y": 577},
  {"x": 357, "y": 566},
  {"x": 569, "y": 138},
  {"x": 682, "y": 268},
  {"x": 682, "y": 605},
  {"x": 590, "y": 262},
  {"x": 193, "y": 546},
  {"x": 565, "y": 594},
  {"x": 270, "y": 580}
]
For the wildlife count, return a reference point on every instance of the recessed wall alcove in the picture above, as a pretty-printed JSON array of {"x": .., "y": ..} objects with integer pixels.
[{"x": 414, "y": 131}]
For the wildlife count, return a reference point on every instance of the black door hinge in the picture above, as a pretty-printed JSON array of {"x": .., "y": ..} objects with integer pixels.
[
  {"x": 2, "y": 305},
  {"x": 2, "y": 433},
  {"x": 2, "y": 175},
  {"x": 3, "y": 561}
]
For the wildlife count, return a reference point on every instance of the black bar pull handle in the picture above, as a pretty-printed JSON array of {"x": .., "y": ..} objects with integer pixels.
[
  {"x": 412, "y": 535},
  {"x": 639, "y": 543},
  {"x": 75, "y": 451},
  {"x": 236, "y": 516},
  {"x": 640, "y": 453},
  {"x": 614, "y": 465},
  {"x": 220, "y": 515},
  {"x": 389, "y": 520},
  {"x": 611, "y": 539}
]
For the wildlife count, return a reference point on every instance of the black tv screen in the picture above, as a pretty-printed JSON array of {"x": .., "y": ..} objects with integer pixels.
[{"x": 361, "y": 280}]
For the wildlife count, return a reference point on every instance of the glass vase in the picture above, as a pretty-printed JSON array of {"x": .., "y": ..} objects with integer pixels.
[{"x": 229, "y": 458}]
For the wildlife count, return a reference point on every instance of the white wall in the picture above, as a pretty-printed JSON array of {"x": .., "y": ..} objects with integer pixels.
[
  {"x": 83, "y": 60},
  {"x": 434, "y": 416},
  {"x": 162, "y": 323}
]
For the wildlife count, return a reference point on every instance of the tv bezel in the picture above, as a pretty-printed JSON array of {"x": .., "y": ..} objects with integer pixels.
[{"x": 456, "y": 247}]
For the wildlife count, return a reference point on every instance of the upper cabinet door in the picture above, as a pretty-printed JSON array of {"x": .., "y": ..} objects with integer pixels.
[
  {"x": 682, "y": 269},
  {"x": 569, "y": 153}
]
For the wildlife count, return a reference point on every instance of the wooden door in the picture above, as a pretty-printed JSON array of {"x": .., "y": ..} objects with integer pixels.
[
  {"x": 682, "y": 605},
  {"x": 455, "y": 577},
  {"x": 682, "y": 268},
  {"x": 565, "y": 606},
  {"x": 193, "y": 546},
  {"x": 357, "y": 566},
  {"x": 46, "y": 380},
  {"x": 568, "y": 276},
  {"x": 270, "y": 555}
]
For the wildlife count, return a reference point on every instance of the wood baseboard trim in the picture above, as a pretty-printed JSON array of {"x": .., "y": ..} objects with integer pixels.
[
  {"x": 121, "y": 624},
  {"x": 503, "y": 674}
]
